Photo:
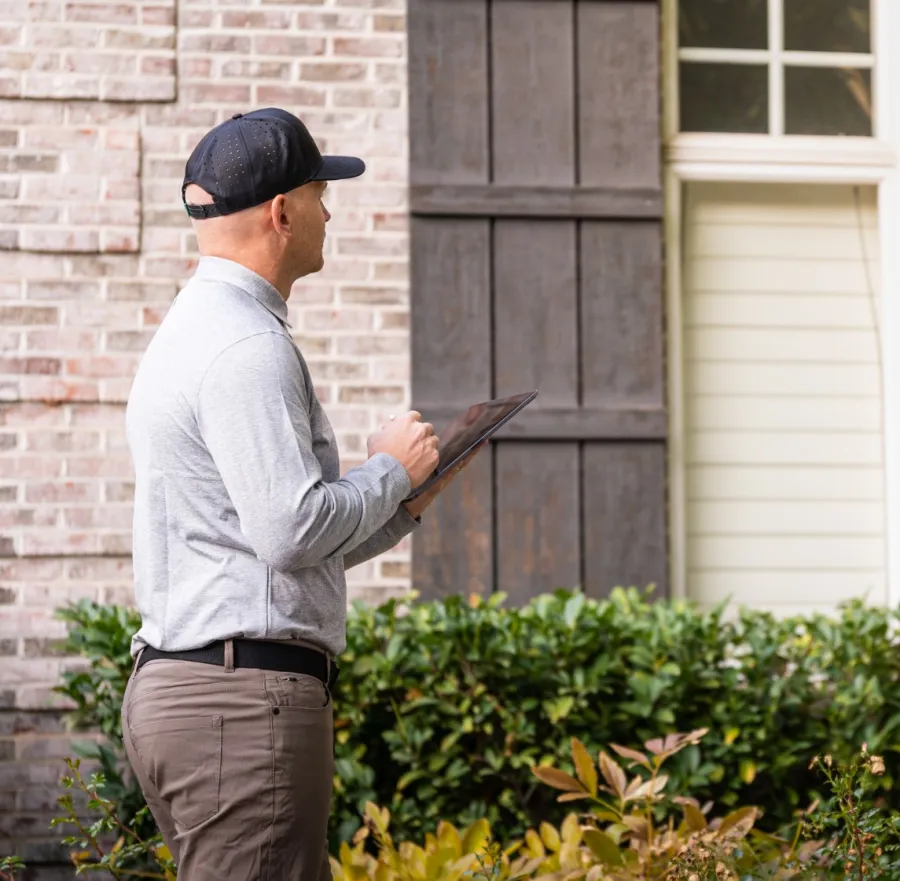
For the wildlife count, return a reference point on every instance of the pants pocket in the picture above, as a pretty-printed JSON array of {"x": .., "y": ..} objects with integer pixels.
[
  {"x": 182, "y": 758},
  {"x": 298, "y": 691}
]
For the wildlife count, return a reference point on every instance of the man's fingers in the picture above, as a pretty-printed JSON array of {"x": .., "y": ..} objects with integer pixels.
[{"x": 414, "y": 416}]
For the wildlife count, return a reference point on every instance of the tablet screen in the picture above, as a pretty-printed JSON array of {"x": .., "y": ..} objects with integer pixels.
[{"x": 465, "y": 431}]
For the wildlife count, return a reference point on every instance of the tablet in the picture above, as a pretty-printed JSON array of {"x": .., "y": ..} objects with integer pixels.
[{"x": 470, "y": 429}]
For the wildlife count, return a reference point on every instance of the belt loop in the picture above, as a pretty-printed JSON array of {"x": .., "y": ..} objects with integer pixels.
[
  {"x": 229, "y": 656},
  {"x": 328, "y": 671}
]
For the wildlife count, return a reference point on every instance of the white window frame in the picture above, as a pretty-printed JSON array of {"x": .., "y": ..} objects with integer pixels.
[{"x": 774, "y": 158}]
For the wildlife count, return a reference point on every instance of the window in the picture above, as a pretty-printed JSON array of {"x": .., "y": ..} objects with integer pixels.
[{"x": 777, "y": 67}]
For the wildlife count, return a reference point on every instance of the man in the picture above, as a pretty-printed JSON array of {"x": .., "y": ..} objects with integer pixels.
[{"x": 243, "y": 526}]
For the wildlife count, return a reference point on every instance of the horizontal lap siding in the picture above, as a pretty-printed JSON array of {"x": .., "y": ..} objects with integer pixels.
[{"x": 784, "y": 455}]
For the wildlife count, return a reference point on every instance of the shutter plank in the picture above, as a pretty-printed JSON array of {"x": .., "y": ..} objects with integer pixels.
[
  {"x": 538, "y": 531},
  {"x": 624, "y": 516}
]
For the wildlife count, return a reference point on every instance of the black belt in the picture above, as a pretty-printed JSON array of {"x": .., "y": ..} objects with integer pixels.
[{"x": 257, "y": 655}]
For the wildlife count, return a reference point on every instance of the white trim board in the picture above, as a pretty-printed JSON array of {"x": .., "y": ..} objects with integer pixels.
[{"x": 774, "y": 159}]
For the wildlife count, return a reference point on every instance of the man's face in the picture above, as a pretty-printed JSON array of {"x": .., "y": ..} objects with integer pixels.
[{"x": 308, "y": 216}]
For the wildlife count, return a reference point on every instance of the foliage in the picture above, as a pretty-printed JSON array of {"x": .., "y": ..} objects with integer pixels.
[
  {"x": 9, "y": 866},
  {"x": 627, "y": 834},
  {"x": 126, "y": 854},
  {"x": 859, "y": 834},
  {"x": 443, "y": 707}
]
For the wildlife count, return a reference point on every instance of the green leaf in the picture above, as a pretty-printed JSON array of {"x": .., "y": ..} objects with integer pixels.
[
  {"x": 747, "y": 771},
  {"x": 603, "y": 847},
  {"x": 572, "y": 609}
]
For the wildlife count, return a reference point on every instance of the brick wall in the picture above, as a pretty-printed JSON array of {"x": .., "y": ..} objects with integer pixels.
[{"x": 100, "y": 105}]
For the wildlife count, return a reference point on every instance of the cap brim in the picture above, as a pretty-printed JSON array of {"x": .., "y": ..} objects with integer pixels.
[{"x": 339, "y": 168}]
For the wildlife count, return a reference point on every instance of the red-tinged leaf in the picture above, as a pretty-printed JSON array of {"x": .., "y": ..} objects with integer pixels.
[
  {"x": 634, "y": 786},
  {"x": 637, "y": 826},
  {"x": 632, "y": 754},
  {"x": 584, "y": 766},
  {"x": 556, "y": 778},
  {"x": 652, "y": 787},
  {"x": 655, "y": 746},
  {"x": 613, "y": 774}
]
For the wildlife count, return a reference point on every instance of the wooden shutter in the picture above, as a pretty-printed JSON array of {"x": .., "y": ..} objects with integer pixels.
[{"x": 536, "y": 263}]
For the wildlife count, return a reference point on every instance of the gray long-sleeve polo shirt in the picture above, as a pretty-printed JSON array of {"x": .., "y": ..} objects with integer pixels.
[{"x": 243, "y": 525}]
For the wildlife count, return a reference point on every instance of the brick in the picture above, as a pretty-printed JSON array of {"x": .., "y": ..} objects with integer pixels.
[
  {"x": 157, "y": 65},
  {"x": 8, "y": 595},
  {"x": 395, "y": 569},
  {"x": 196, "y": 68},
  {"x": 301, "y": 96},
  {"x": 60, "y": 340},
  {"x": 96, "y": 63},
  {"x": 394, "y": 320},
  {"x": 59, "y": 289},
  {"x": 30, "y": 467},
  {"x": 333, "y": 72},
  {"x": 338, "y": 319},
  {"x": 190, "y": 42},
  {"x": 8, "y": 647},
  {"x": 29, "y": 214},
  {"x": 296, "y": 47},
  {"x": 30, "y": 365},
  {"x": 99, "y": 366},
  {"x": 116, "y": 491},
  {"x": 373, "y": 344},
  {"x": 370, "y": 395},
  {"x": 392, "y": 23},
  {"x": 272, "y": 20},
  {"x": 370, "y": 47},
  {"x": 264, "y": 70},
  {"x": 28, "y": 315},
  {"x": 128, "y": 340},
  {"x": 62, "y": 441},
  {"x": 8, "y": 494},
  {"x": 139, "y": 39},
  {"x": 61, "y": 492},
  {"x": 158, "y": 15},
  {"x": 41, "y": 647}
]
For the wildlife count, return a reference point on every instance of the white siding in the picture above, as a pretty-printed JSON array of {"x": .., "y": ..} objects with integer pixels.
[{"x": 785, "y": 482}]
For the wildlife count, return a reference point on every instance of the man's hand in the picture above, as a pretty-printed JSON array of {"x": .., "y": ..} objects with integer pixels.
[
  {"x": 411, "y": 442},
  {"x": 415, "y": 507}
]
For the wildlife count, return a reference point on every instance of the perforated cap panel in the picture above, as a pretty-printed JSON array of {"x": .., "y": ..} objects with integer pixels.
[{"x": 252, "y": 158}]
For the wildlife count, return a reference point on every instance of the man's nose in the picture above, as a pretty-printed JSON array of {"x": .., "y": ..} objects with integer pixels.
[{"x": 327, "y": 214}]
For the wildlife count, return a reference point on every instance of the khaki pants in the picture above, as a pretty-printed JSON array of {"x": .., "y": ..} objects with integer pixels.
[{"x": 236, "y": 766}]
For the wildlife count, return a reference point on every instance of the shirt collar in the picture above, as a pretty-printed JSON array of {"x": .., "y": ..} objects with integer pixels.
[{"x": 220, "y": 269}]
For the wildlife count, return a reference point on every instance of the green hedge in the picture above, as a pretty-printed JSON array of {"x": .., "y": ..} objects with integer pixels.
[{"x": 443, "y": 707}]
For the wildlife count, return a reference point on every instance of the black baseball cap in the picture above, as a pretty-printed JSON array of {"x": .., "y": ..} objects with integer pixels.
[{"x": 254, "y": 157}]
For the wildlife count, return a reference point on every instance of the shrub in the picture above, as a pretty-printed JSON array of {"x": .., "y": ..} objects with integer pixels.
[
  {"x": 443, "y": 707},
  {"x": 627, "y": 834}
]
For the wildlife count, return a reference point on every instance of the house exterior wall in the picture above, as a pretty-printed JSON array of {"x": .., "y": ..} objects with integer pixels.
[
  {"x": 100, "y": 105},
  {"x": 783, "y": 408}
]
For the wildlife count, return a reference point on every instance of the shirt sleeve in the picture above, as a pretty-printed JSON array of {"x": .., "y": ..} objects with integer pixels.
[
  {"x": 253, "y": 414},
  {"x": 396, "y": 529}
]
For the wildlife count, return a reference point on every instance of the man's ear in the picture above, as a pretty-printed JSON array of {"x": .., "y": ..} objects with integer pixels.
[{"x": 280, "y": 219}]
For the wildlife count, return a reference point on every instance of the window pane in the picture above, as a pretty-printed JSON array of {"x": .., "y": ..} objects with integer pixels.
[
  {"x": 724, "y": 97},
  {"x": 827, "y": 101},
  {"x": 723, "y": 24},
  {"x": 827, "y": 25}
]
